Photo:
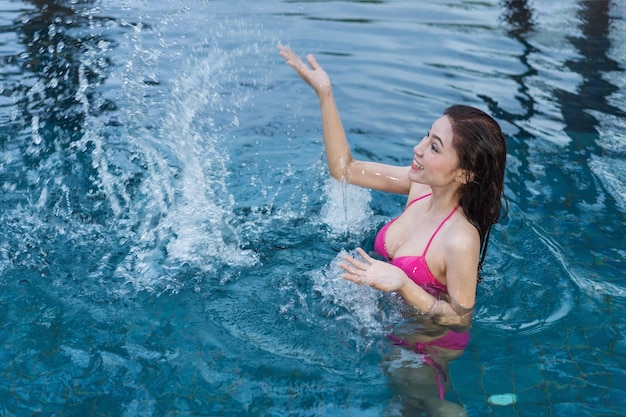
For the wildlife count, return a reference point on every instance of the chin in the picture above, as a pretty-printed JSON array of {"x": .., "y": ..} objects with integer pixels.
[{"x": 414, "y": 176}]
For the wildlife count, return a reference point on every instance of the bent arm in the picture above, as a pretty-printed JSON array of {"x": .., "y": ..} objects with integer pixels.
[
  {"x": 456, "y": 309},
  {"x": 339, "y": 159},
  {"x": 445, "y": 312},
  {"x": 342, "y": 165}
]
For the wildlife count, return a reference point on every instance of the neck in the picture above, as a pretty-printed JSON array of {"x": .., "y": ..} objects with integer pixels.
[{"x": 444, "y": 199}]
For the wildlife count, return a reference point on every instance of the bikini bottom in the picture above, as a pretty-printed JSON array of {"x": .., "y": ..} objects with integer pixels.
[{"x": 451, "y": 340}]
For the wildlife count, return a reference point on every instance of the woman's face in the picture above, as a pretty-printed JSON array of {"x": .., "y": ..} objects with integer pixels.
[{"x": 435, "y": 160}]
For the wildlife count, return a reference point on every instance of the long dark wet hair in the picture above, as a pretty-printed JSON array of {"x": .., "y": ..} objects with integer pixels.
[{"x": 481, "y": 147}]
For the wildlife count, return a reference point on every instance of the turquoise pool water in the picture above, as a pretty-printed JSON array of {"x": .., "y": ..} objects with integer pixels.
[{"x": 169, "y": 232}]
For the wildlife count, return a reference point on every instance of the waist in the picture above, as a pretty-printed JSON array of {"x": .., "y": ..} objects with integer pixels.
[{"x": 449, "y": 340}]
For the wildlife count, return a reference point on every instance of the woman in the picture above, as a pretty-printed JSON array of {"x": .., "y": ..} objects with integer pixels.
[{"x": 436, "y": 247}]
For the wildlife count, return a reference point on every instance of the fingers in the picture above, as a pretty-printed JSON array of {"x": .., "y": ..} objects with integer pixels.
[
  {"x": 354, "y": 263},
  {"x": 356, "y": 270},
  {"x": 290, "y": 56},
  {"x": 284, "y": 51},
  {"x": 355, "y": 275},
  {"x": 352, "y": 278},
  {"x": 365, "y": 256},
  {"x": 350, "y": 269},
  {"x": 312, "y": 61},
  {"x": 353, "y": 266},
  {"x": 295, "y": 61}
]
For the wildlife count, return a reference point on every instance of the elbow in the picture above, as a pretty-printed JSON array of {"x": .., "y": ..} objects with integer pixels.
[
  {"x": 456, "y": 323},
  {"x": 340, "y": 168},
  {"x": 463, "y": 326},
  {"x": 337, "y": 174},
  {"x": 444, "y": 314}
]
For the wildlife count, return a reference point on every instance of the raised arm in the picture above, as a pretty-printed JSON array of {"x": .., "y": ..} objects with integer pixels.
[{"x": 339, "y": 159}]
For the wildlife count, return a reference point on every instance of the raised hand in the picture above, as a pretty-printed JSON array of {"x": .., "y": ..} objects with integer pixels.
[{"x": 313, "y": 73}]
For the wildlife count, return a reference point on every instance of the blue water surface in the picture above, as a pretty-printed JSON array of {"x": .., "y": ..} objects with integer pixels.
[{"x": 169, "y": 233}]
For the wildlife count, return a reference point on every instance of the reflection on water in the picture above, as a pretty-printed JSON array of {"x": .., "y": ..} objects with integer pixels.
[
  {"x": 169, "y": 233},
  {"x": 588, "y": 115}
]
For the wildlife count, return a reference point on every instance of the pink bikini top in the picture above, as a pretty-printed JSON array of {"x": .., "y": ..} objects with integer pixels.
[{"x": 415, "y": 267}]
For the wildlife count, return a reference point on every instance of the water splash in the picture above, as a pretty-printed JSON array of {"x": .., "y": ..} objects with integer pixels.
[
  {"x": 346, "y": 209},
  {"x": 357, "y": 305},
  {"x": 132, "y": 177},
  {"x": 186, "y": 214}
]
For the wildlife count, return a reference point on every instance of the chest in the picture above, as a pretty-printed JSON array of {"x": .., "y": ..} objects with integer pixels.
[{"x": 418, "y": 236}]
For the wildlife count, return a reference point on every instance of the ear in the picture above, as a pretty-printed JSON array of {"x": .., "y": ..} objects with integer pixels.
[{"x": 465, "y": 176}]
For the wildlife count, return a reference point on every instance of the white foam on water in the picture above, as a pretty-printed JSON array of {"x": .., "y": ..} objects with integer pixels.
[
  {"x": 185, "y": 218},
  {"x": 346, "y": 208},
  {"x": 360, "y": 302},
  {"x": 149, "y": 178}
]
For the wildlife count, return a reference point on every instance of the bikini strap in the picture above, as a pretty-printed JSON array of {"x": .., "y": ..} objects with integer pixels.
[
  {"x": 418, "y": 199},
  {"x": 437, "y": 230}
]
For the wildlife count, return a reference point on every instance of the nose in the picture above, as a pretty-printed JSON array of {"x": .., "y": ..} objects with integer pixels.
[{"x": 419, "y": 148}]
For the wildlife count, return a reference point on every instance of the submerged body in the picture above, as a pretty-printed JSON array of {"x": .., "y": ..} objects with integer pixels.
[
  {"x": 438, "y": 347},
  {"x": 435, "y": 248}
]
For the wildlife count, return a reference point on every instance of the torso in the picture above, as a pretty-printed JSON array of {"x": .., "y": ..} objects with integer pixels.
[
  {"x": 407, "y": 245},
  {"x": 413, "y": 243}
]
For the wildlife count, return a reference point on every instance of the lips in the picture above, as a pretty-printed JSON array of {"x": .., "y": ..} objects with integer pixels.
[{"x": 417, "y": 165}]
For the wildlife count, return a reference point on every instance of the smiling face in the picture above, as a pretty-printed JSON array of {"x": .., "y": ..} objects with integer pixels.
[{"x": 435, "y": 160}]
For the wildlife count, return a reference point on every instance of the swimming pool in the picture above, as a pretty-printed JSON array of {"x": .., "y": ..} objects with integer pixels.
[{"x": 169, "y": 232}]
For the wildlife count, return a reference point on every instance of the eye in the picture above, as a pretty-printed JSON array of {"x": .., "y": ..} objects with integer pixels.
[{"x": 434, "y": 147}]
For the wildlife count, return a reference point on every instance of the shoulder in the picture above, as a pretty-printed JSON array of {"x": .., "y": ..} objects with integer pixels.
[
  {"x": 462, "y": 237},
  {"x": 462, "y": 248}
]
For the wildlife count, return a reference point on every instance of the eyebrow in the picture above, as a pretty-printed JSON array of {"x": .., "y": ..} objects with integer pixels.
[{"x": 437, "y": 138}]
